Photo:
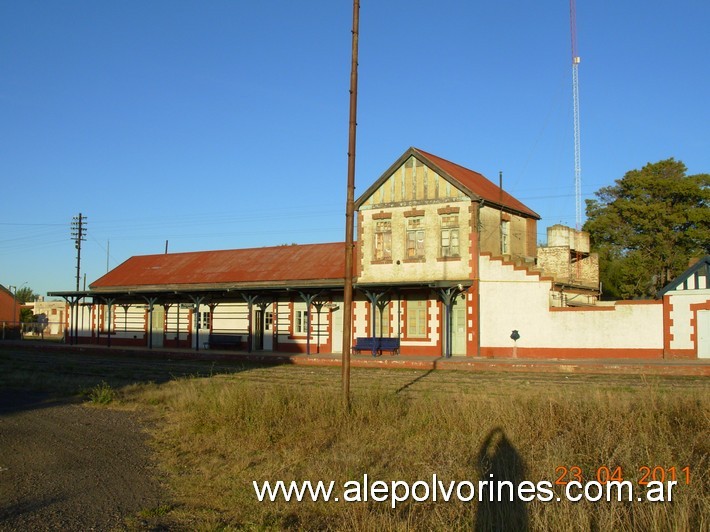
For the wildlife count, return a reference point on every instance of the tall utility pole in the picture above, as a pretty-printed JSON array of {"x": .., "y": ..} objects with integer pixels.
[
  {"x": 350, "y": 213},
  {"x": 78, "y": 235},
  {"x": 575, "y": 97}
]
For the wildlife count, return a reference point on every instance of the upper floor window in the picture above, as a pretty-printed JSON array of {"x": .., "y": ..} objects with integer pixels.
[
  {"x": 505, "y": 237},
  {"x": 449, "y": 236},
  {"x": 383, "y": 240},
  {"x": 415, "y": 237}
]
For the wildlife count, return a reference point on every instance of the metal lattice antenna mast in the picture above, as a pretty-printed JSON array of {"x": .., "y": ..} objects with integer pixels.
[{"x": 575, "y": 97}]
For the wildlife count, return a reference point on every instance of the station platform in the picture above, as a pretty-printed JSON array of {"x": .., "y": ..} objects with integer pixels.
[{"x": 696, "y": 368}]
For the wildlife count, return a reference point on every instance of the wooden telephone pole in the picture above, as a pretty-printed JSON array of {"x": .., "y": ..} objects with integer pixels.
[
  {"x": 349, "y": 213},
  {"x": 78, "y": 235}
]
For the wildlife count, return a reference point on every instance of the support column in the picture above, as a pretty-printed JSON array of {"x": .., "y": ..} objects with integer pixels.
[
  {"x": 73, "y": 302},
  {"x": 319, "y": 307},
  {"x": 378, "y": 300},
  {"x": 125, "y": 308},
  {"x": 309, "y": 298},
  {"x": 151, "y": 301},
  {"x": 109, "y": 303},
  {"x": 166, "y": 317},
  {"x": 250, "y": 300},
  {"x": 197, "y": 301}
]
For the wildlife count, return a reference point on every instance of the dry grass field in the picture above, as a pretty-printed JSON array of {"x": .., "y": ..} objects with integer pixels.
[{"x": 216, "y": 428}]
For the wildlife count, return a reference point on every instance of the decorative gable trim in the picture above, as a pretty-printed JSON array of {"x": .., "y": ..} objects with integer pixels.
[
  {"x": 467, "y": 182},
  {"x": 699, "y": 270}
]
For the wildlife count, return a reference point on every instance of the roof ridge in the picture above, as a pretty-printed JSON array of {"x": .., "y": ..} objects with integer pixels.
[
  {"x": 485, "y": 189},
  {"x": 429, "y": 154}
]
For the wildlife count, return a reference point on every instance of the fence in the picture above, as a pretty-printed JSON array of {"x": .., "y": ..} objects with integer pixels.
[{"x": 13, "y": 330}]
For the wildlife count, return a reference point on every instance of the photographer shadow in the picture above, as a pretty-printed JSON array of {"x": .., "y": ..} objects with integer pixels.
[{"x": 498, "y": 457}]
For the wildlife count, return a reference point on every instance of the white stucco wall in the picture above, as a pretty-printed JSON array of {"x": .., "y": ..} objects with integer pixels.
[{"x": 514, "y": 299}]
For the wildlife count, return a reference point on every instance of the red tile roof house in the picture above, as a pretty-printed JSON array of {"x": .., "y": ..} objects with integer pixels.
[{"x": 444, "y": 266}]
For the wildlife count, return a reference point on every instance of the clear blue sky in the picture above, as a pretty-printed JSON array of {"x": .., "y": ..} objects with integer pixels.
[{"x": 224, "y": 124}]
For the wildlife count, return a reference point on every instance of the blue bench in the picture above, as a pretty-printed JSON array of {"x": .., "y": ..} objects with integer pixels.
[
  {"x": 366, "y": 343},
  {"x": 224, "y": 340},
  {"x": 389, "y": 344},
  {"x": 376, "y": 345}
]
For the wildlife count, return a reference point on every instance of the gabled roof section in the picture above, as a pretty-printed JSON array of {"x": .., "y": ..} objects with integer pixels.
[
  {"x": 234, "y": 267},
  {"x": 475, "y": 185},
  {"x": 697, "y": 277}
]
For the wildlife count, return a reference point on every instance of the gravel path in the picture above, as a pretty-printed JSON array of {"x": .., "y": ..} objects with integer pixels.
[{"x": 70, "y": 466}]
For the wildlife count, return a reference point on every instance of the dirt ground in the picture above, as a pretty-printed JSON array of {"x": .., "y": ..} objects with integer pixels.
[{"x": 67, "y": 465}]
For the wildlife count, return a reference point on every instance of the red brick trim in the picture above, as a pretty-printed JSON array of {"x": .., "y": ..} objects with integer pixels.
[
  {"x": 405, "y": 310},
  {"x": 448, "y": 259},
  {"x": 581, "y": 309},
  {"x": 291, "y": 319},
  {"x": 694, "y": 308},
  {"x": 381, "y": 261},
  {"x": 438, "y": 327},
  {"x": 413, "y": 213},
  {"x": 418, "y": 259},
  {"x": 667, "y": 323},
  {"x": 640, "y": 302},
  {"x": 368, "y": 318},
  {"x": 358, "y": 256},
  {"x": 681, "y": 354},
  {"x": 449, "y": 210},
  {"x": 382, "y": 215},
  {"x": 571, "y": 353},
  {"x": 212, "y": 307}
]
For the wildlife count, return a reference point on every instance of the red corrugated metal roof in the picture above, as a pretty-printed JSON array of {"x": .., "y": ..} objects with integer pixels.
[
  {"x": 257, "y": 265},
  {"x": 478, "y": 184}
]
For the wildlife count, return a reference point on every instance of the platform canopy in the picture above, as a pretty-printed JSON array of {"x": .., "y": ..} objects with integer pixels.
[{"x": 222, "y": 275}]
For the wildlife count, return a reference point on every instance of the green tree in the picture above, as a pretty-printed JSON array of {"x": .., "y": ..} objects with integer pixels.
[
  {"x": 26, "y": 315},
  {"x": 25, "y": 295},
  {"x": 648, "y": 226}
]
